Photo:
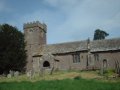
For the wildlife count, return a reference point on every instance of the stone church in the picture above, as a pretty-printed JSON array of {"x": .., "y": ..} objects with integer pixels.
[{"x": 77, "y": 55}]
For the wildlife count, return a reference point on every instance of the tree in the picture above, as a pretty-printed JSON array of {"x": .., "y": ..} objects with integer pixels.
[
  {"x": 100, "y": 34},
  {"x": 12, "y": 49}
]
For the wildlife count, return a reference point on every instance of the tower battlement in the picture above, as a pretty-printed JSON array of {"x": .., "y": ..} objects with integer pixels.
[{"x": 35, "y": 24}]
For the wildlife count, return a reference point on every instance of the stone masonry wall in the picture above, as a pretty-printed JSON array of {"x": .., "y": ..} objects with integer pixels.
[{"x": 35, "y": 36}]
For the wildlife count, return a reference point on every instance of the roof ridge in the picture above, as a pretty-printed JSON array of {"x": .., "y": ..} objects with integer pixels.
[
  {"x": 106, "y": 39},
  {"x": 66, "y": 42}
]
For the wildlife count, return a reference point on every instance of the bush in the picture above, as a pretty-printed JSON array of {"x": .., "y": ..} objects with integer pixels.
[
  {"x": 109, "y": 71},
  {"x": 77, "y": 78}
]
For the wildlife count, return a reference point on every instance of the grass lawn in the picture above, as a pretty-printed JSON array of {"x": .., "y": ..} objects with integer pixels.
[
  {"x": 67, "y": 84},
  {"x": 59, "y": 81}
]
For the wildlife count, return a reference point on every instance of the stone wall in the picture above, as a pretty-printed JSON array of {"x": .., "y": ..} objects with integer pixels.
[
  {"x": 111, "y": 57},
  {"x": 35, "y": 36},
  {"x": 66, "y": 62}
]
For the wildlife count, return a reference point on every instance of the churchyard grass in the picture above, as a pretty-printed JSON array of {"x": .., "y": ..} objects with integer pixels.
[
  {"x": 59, "y": 81},
  {"x": 66, "y": 84}
]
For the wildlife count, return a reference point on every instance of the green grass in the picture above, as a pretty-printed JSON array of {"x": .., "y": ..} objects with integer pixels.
[
  {"x": 71, "y": 80},
  {"x": 66, "y": 84},
  {"x": 56, "y": 75}
]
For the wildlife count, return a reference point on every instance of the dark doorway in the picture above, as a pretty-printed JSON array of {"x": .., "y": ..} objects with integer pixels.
[{"x": 46, "y": 64}]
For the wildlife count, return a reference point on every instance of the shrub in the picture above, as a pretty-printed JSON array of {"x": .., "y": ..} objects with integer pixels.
[{"x": 77, "y": 78}]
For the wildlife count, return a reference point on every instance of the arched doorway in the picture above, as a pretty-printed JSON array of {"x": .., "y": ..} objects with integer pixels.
[
  {"x": 46, "y": 64},
  {"x": 105, "y": 64}
]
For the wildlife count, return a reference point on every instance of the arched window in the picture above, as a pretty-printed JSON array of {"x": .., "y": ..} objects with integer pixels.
[{"x": 46, "y": 64}]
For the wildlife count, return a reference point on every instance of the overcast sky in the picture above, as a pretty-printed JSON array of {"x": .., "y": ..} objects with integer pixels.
[{"x": 67, "y": 20}]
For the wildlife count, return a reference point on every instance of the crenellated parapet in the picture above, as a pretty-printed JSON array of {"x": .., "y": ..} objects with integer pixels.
[{"x": 35, "y": 24}]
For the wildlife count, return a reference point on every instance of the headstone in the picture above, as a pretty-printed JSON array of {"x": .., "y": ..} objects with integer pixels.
[
  {"x": 42, "y": 71},
  {"x": 11, "y": 73},
  {"x": 16, "y": 73},
  {"x": 30, "y": 74},
  {"x": 9, "y": 76}
]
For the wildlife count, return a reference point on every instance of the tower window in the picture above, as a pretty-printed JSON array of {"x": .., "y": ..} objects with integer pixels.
[{"x": 31, "y": 30}]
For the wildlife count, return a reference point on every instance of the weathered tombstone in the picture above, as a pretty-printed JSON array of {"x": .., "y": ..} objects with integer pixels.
[
  {"x": 52, "y": 71},
  {"x": 11, "y": 73},
  {"x": 9, "y": 76},
  {"x": 4, "y": 75},
  {"x": 42, "y": 70},
  {"x": 16, "y": 73},
  {"x": 47, "y": 71},
  {"x": 30, "y": 74}
]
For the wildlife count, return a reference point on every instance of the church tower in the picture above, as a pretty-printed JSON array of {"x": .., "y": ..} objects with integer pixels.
[{"x": 35, "y": 36}]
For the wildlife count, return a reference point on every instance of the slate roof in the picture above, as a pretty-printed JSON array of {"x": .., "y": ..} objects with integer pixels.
[
  {"x": 95, "y": 46},
  {"x": 105, "y": 45},
  {"x": 63, "y": 47}
]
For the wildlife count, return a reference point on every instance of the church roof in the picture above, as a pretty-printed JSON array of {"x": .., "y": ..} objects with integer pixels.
[
  {"x": 94, "y": 46},
  {"x": 63, "y": 47},
  {"x": 105, "y": 45}
]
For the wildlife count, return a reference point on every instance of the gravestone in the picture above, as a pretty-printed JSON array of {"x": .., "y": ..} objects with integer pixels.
[
  {"x": 11, "y": 73},
  {"x": 9, "y": 76},
  {"x": 30, "y": 74},
  {"x": 16, "y": 73}
]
